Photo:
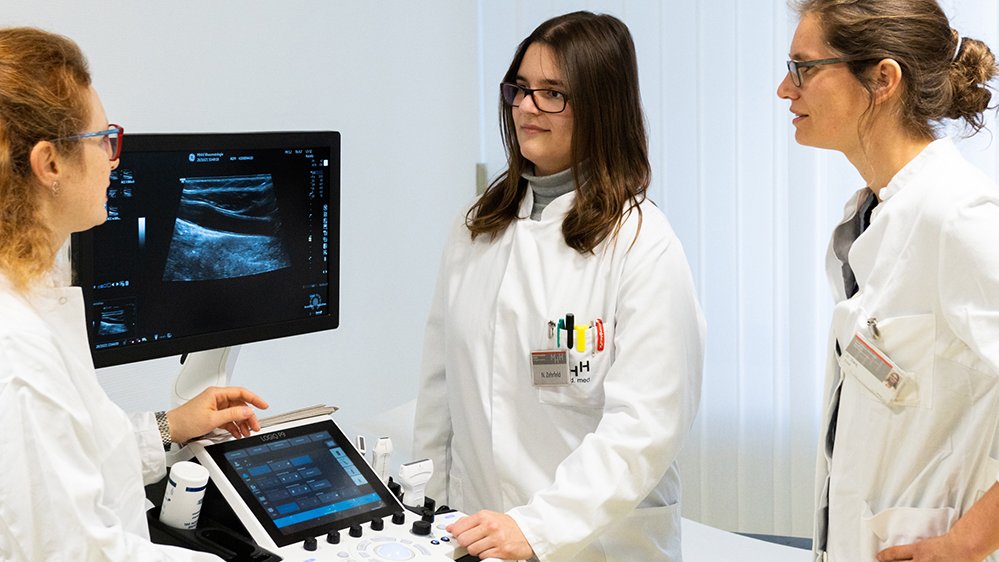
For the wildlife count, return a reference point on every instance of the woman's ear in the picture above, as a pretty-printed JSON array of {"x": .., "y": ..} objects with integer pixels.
[
  {"x": 45, "y": 163},
  {"x": 887, "y": 76}
]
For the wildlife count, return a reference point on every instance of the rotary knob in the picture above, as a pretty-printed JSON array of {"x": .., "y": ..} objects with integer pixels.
[
  {"x": 377, "y": 524},
  {"x": 333, "y": 537},
  {"x": 421, "y": 528},
  {"x": 355, "y": 531},
  {"x": 310, "y": 544},
  {"x": 398, "y": 518}
]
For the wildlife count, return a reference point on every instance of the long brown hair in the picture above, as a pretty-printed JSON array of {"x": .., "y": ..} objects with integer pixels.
[
  {"x": 609, "y": 148},
  {"x": 945, "y": 76},
  {"x": 43, "y": 81}
]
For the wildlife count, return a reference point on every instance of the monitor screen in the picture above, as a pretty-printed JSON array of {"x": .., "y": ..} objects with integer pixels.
[
  {"x": 212, "y": 240},
  {"x": 303, "y": 481}
]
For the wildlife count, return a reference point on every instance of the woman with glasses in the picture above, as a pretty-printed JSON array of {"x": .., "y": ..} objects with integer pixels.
[
  {"x": 909, "y": 454},
  {"x": 562, "y": 361},
  {"x": 72, "y": 463}
]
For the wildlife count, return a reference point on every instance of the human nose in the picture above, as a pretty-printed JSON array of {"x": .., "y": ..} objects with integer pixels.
[
  {"x": 786, "y": 89},
  {"x": 532, "y": 108}
]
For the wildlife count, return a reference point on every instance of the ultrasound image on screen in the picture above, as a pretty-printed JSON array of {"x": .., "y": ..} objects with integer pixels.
[
  {"x": 227, "y": 227},
  {"x": 116, "y": 319}
]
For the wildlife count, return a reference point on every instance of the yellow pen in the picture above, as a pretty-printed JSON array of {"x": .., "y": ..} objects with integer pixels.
[{"x": 581, "y": 337}]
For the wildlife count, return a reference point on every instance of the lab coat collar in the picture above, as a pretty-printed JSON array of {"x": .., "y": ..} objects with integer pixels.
[
  {"x": 61, "y": 309},
  {"x": 914, "y": 168},
  {"x": 46, "y": 295},
  {"x": 59, "y": 277}
]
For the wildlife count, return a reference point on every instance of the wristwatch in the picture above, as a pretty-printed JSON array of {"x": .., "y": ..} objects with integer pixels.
[{"x": 164, "y": 424}]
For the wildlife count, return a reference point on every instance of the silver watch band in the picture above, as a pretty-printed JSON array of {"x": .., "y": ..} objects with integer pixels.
[{"x": 164, "y": 425}]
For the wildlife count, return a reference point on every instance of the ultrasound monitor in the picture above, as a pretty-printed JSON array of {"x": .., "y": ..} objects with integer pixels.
[{"x": 212, "y": 240}]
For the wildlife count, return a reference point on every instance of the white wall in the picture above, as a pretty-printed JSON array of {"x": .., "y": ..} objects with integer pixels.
[{"x": 396, "y": 78}]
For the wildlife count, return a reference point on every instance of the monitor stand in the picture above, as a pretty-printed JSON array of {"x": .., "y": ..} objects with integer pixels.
[
  {"x": 202, "y": 369},
  {"x": 198, "y": 371}
]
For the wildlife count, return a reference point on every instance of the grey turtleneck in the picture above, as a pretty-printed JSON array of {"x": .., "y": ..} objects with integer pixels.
[{"x": 548, "y": 188}]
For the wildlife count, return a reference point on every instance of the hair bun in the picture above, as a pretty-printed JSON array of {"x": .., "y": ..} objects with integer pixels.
[{"x": 970, "y": 74}]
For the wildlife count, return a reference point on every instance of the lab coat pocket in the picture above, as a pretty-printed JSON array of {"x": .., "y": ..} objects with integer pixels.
[
  {"x": 898, "y": 526},
  {"x": 586, "y": 389},
  {"x": 908, "y": 341},
  {"x": 646, "y": 534}
]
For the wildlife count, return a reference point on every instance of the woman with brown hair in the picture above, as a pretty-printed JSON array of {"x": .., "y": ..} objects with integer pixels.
[
  {"x": 909, "y": 455},
  {"x": 562, "y": 361},
  {"x": 72, "y": 463}
]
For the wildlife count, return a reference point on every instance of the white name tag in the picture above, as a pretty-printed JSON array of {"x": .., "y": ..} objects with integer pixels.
[
  {"x": 875, "y": 370},
  {"x": 550, "y": 367}
]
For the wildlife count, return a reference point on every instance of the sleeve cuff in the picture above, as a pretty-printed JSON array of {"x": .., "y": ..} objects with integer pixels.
[
  {"x": 149, "y": 442},
  {"x": 538, "y": 544}
]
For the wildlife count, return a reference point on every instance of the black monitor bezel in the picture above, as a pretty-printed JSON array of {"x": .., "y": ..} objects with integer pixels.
[
  {"x": 82, "y": 246},
  {"x": 217, "y": 452}
]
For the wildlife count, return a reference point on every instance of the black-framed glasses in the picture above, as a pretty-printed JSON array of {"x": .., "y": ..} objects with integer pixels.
[
  {"x": 794, "y": 67},
  {"x": 113, "y": 136},
  {"x": 545, "y": 99}
]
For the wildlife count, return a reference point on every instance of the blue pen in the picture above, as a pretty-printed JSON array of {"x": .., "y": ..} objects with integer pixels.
[
  {"x": 558, "y": 333},
  {"x": 570, "y": 327}
]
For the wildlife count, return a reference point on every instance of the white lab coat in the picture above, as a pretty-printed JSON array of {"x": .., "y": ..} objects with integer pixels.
[
  {"x": 71, "y": 462},
  {"x": 588, "y": 471},
  {"x": 928, "y": 272}
]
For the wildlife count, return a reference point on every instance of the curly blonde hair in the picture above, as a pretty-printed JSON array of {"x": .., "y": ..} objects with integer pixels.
[{"x": 43, "y": 83}]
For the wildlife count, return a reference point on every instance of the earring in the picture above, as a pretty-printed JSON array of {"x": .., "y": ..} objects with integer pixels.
[{"x": 55, "y": 189}]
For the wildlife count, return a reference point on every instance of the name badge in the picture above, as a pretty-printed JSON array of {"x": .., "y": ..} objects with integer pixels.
[
  {"x": 550, "y": 367},
  {"x": 875, "y": 370}
]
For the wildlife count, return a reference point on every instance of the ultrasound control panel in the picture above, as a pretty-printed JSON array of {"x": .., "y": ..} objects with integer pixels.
[
  {"x": 303, "y": 492},
  {"x": 389, "y": 543}
]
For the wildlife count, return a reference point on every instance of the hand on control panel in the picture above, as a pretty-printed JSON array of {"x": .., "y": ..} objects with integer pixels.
[{"x": 489, "y": 534}]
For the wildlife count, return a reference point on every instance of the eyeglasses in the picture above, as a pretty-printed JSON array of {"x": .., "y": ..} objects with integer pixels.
[
  {"x": 546, "y": 100},
  {"x": 114, "y": 135},
  {"x": 794, "y": 67}
]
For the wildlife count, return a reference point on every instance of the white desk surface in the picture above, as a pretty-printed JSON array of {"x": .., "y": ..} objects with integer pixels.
[{"x": 702, "y": 543}]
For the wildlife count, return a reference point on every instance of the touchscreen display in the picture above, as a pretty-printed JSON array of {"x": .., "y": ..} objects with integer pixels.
[{"x": 303, "y": 481}]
